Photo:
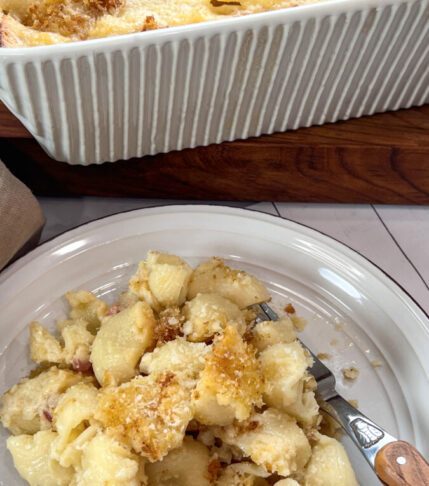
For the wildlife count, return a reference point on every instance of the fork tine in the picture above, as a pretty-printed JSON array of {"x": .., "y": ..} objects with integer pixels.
[
  {"x": 266, "y": 309},
  {"x": 367, "y": 435}
]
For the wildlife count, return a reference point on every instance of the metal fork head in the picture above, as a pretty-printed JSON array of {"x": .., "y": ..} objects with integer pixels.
[
  {"x": 367, "y": 435},
  {"x": 324, "y": 377}
]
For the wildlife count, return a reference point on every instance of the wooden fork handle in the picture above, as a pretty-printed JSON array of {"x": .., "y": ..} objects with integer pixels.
[{"x": 400, "y": 464}]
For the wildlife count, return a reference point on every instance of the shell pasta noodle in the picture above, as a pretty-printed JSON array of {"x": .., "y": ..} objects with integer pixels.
[{"x": 172, "y": 385}]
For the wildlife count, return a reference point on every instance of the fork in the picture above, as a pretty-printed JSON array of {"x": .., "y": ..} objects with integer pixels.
[{"x": 396, "y": 462}]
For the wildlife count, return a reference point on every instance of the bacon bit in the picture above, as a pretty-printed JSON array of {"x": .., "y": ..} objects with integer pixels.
[
  {"x": 290, "y": 309},
  {"x": 47, "y": 414},
  {"x": 113, "y": 309},
  {"x": 213, "y": 470},
  {"x": 253, "y": 425},
  {"x": 81, "y": 366}
]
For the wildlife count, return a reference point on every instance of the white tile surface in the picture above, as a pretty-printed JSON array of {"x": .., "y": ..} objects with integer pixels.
[
  {"x": 409, "y": 226},
  {"x": 359, "y": 227}
]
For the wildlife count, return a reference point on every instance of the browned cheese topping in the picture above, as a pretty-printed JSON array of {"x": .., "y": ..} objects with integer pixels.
[
  {"x": 149, "y": 414},
  {"x": 68, "y": 17},
  {"x": 232, "y": 372}
]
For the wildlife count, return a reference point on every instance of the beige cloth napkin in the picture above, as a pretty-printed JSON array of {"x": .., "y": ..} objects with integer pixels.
[{"x": 21, "y": 219}]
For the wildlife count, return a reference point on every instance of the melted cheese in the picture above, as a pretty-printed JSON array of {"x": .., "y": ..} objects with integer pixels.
[{"x": 39, "y": 22}]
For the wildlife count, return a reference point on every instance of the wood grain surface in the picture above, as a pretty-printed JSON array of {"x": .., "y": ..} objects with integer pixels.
[
  {"x": 10, "y": 126},
  {"x": 379, "y": 159},
  {"x": 401, "y": 464}
]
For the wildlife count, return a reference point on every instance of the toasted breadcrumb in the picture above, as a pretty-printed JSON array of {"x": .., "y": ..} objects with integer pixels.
[
  {"x": 149, "y": 414},
  {"x": 298, "y": 322},
  {"x": 168, "y": 326},
  {"x": 324, "y": 356},
  {"x": 150, "y": 24},
  {"x": 68, "y": 17},
  {"x": 289, "y": 309},
  {"x": 351, "y": 373},
  {"x": 214, "y": 469},
  {"x": 231, "y": 377}
]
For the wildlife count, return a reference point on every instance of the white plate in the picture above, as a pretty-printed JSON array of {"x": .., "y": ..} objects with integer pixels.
[{"x": 328, "y": 284}]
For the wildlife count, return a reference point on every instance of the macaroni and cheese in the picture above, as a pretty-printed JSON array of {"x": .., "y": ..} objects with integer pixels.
[
  {"x": 173, "y": 385},
  {"x": 40, "y": 22}
]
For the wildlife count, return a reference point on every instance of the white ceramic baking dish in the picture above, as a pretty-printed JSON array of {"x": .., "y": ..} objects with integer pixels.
[{"x": 137, "y": 94}]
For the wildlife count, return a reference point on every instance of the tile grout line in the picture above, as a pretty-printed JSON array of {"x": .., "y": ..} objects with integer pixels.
[
  {"x": 400, "y": 248},
  {"x": 277, "y": 210}
]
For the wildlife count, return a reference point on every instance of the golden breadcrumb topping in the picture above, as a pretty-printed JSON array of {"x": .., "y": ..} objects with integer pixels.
[
  {"x": 168, "y": 326},
  {"x": 150, "y": 414},
  {"x": 232, "y": 375},
  {"x": 68, "y": 17}
]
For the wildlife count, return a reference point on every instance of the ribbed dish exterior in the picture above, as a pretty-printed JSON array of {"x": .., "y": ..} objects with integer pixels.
[{"x": 162, "y": 91}]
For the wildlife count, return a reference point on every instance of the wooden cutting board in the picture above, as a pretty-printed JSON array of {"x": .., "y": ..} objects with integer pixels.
[{"x": 378, "y": 159}]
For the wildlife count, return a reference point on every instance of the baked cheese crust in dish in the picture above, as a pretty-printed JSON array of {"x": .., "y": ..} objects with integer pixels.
[
  {"x": 173, "y": 385},
  {"x": 41, "y": 22}
]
